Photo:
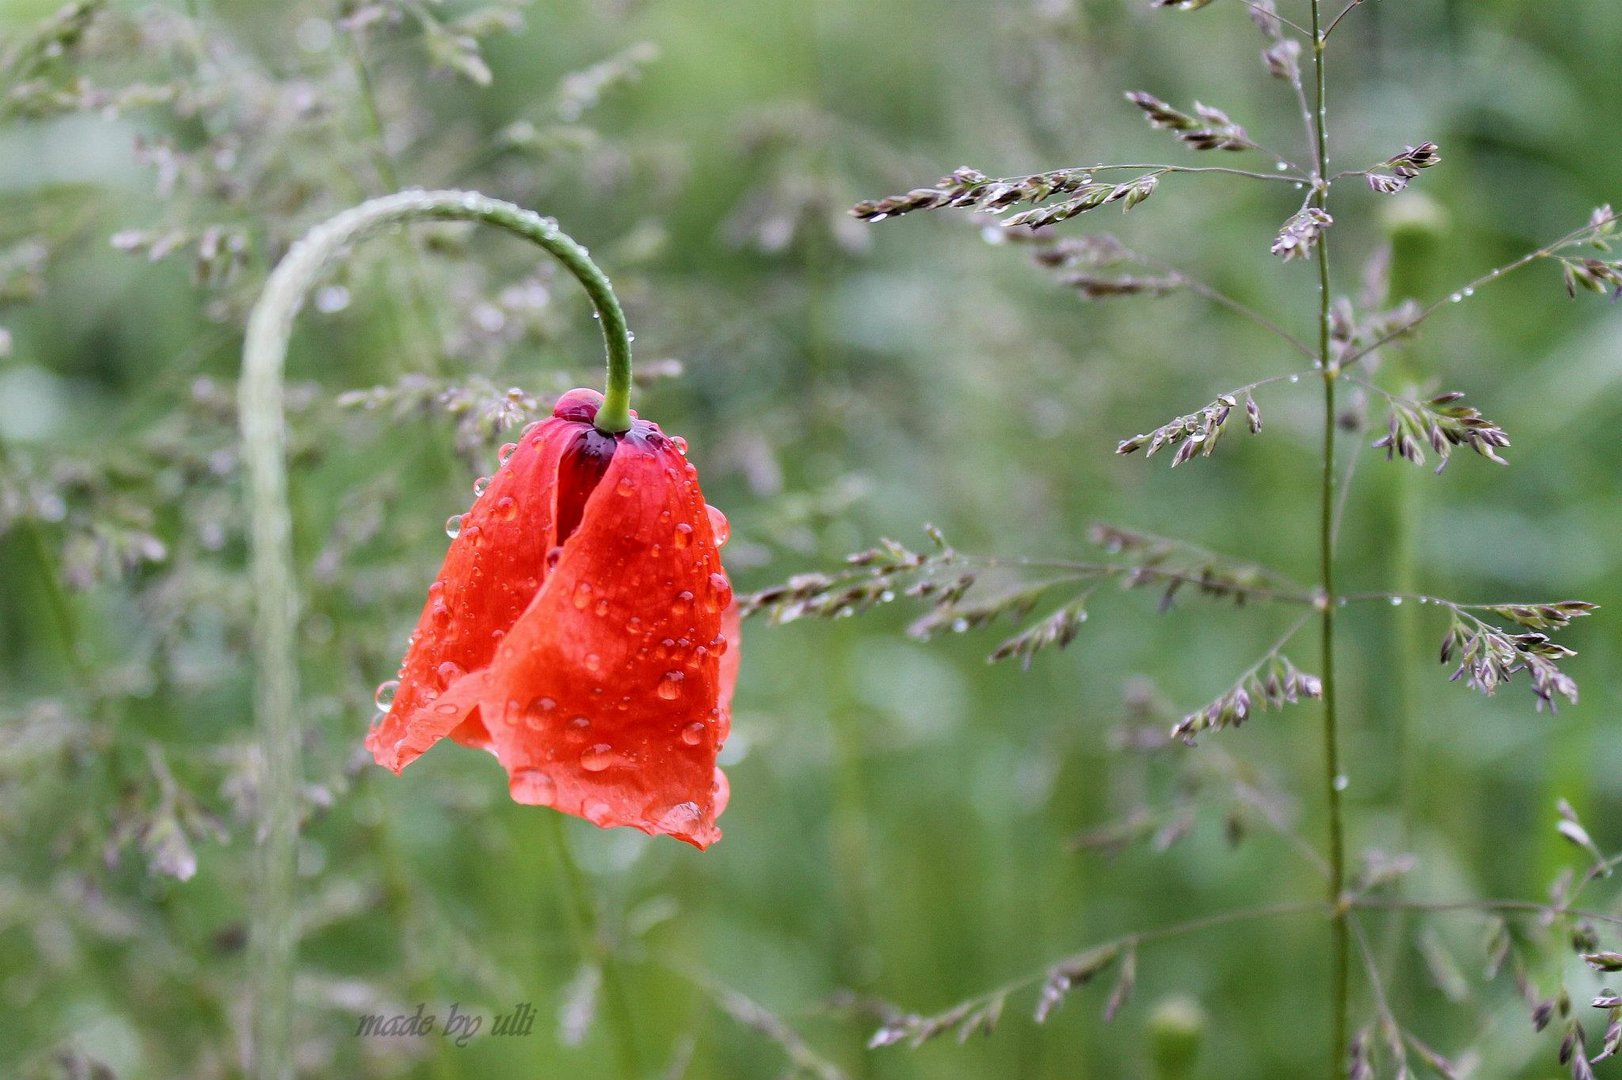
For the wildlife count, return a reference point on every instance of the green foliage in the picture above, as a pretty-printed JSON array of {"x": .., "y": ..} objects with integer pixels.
[{"x": 907, "y": 826}]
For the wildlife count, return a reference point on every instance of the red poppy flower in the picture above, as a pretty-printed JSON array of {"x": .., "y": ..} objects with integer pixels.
[{"x": 582, "y": 630}]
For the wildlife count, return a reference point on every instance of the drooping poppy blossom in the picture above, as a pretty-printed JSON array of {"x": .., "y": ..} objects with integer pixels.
[{"x": 581, "y": 629}]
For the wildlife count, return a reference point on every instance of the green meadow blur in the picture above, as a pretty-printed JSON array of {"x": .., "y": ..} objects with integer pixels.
[{"x": 901, "y": 827}]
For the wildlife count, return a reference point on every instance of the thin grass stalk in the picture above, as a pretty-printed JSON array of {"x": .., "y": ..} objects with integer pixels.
[{"x": 1340, "y": 938}]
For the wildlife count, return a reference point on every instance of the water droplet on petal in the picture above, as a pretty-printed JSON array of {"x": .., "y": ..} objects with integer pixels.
[
  {"x": 723, "y": 589},
  {"x": 506, "y": 452},
  {"x": 536, "y": 711},
  {"x": 453, "y": 526},
  {"x": 597, "y": 757},
  {"x": 670, "y": 685},
  {"x": 449, "y": 672},
  {"x": 480, "y": 485},
  {"x": 506, "y": 508},
  {"x": 682, "y": 604},
  {"x": 532, "y": 787},
  {"x": 447, "y": 709},
  {"x": 383, "y": 698},
  {"x": 598, "y": 813},
  {"x": 693, "y": 733},
  {"x": 625, "y": 486},
  {"x": 719, "y": 525},
  {"x": 681, "y": 818},
  {"x": 593, "y": 662},
  {"x": 680, "y": 444},
  {"x": 582, "y": 595},
  {"x": 684, "y": 534},
  {"x": 580, "y": 723}
]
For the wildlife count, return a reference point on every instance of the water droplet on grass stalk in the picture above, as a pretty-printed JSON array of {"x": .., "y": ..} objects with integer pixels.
[{"x": 332, "y": 299}]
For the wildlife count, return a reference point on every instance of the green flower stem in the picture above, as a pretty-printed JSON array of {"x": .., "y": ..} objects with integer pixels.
[{"x": 263, "y": 425}]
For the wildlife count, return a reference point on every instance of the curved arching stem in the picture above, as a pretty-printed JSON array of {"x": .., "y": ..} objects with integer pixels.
[{"x": 263, "y": 426}]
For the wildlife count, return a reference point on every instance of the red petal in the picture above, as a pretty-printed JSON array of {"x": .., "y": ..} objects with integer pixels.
[
  {"x": 599, "y": 672},
  {"x": 607, "y": 699},
  {"x": 492, "y": 571}
]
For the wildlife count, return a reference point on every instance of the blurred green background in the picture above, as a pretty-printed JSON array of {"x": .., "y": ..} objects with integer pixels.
[{"x": 902, "y": 814}]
